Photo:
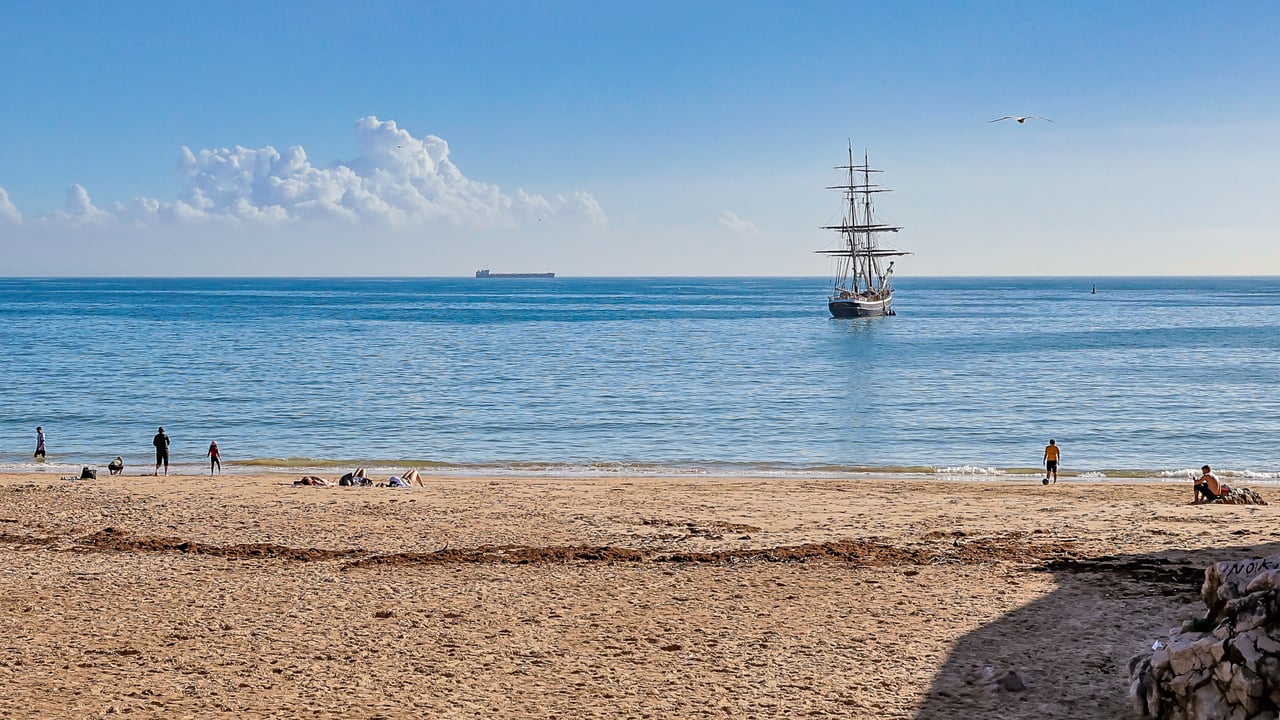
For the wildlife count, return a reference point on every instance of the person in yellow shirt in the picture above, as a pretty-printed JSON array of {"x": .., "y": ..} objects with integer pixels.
[{"x": 1051, "y": 455}]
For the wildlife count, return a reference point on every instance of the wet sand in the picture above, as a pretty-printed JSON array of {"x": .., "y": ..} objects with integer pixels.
[{"x": 246, "y": 597}]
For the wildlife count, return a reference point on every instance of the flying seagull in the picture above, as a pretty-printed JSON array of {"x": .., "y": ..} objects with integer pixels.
[{"x": 1021, "y": 118}]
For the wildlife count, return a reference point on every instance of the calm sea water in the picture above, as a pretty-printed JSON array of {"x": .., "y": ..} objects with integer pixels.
[{"x": 1147, "y": 376}]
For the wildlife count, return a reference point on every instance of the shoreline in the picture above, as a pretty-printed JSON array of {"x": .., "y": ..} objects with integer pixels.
[{"x": 603, "y": 470}]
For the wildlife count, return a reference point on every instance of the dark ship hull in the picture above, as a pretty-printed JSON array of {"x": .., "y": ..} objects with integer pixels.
[
  {"x": 523, "y": 276},
  {"x": 855, "y": 308}
]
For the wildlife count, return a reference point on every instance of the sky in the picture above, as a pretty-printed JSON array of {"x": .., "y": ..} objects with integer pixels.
[{"x": 634, "y": 139}]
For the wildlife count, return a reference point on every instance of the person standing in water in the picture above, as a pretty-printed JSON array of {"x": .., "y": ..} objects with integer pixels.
[
  {"x": 40, "y": 454},
  {"x": 1051, "y": 454},
  {"x": 214, "y": 457},
  {"x": 161, "y": 441}
]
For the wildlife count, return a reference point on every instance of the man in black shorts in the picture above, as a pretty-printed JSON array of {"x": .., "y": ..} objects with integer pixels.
[
  {"x": 1051, "y": 455},
  {"x": 161, "y": 441}
]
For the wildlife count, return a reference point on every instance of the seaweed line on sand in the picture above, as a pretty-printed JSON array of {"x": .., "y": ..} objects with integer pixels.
[{"x": 863, "y": 553}]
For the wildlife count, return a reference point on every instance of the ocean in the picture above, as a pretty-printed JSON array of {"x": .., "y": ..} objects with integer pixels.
[{"x": 1148, "y": 377}]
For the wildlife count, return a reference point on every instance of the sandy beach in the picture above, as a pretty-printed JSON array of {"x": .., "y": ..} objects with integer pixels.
[{"x": 246, "y": 597}]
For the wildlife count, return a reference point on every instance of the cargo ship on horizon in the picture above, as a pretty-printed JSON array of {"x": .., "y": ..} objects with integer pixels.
[{"x": 487, "y": 274}]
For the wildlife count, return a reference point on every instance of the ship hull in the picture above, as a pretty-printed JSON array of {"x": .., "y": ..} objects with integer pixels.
[
  {"x": 854, "y": 308},
  {"x": 520, "y": 276}
]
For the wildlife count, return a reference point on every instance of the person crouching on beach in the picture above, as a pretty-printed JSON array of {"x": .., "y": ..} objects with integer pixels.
[
  {"x": 1208, "y": 486},
  {"x": 214, "y": 457},
  {"x": 116, "y": 466}
]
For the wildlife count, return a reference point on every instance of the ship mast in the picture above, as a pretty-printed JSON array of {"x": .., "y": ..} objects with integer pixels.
[{"x": 858, "y": 263}]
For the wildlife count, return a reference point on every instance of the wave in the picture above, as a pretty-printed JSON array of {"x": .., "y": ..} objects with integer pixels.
[
  {"x": 302, "y": 462},
  {"x": 970, "y": 470},
  {"x": 642, "y": 469},
  {"x": 1245, "y": 474}
]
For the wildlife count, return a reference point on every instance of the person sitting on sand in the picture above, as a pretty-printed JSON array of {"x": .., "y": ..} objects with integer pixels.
[
  {"x": 116, "y": 466},
  {"x": 1207, "y": 485}
]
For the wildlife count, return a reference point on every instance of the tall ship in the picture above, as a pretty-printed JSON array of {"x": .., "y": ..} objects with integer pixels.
[
  {"x": 487, "y": 274},
  {"x": 862, "y": 287}
]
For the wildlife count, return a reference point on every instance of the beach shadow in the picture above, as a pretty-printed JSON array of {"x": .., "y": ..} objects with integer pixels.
[{"x": 1071, "y": 648}]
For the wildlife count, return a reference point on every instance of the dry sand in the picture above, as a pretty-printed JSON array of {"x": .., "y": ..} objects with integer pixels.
[{"x": 246, "y": 597}]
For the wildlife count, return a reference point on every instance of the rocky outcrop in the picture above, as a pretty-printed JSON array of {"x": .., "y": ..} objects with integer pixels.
[
  {"x": 1241, "y": 496},
  {"x": 1225, "y": 666}
]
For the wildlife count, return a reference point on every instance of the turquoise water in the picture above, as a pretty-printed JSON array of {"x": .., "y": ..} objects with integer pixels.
[{"x": 1148, "y": 376}]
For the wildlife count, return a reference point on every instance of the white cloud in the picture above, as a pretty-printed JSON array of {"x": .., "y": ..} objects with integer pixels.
[
  {"x": 77, "y": 210},
  {"x": 736, "y": 224},
  {"x": 394, "y": 180},
  {"x": 8, "y": 213}
]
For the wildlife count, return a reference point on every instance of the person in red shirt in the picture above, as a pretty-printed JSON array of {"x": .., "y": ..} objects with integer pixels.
[{"x": 214, "y": 458}]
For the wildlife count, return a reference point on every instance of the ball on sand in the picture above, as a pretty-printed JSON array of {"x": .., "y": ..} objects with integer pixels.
[{"x": 1044, "y": 481}]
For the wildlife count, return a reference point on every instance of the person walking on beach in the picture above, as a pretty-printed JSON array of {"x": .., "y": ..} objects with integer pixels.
[
  {"x": 1051, "y": 455},
  {"x": 214, "y": 458},
  {"x": 40, "y": 454},
  {"x": 161, "y": 441},
  {"x": 1208, "y": 486}
]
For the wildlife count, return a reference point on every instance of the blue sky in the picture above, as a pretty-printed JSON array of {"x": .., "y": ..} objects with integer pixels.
[{"x": 603, "y": 138}]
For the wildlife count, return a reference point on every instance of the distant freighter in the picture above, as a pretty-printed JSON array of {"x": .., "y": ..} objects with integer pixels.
[{"x": 487, "y": 274}]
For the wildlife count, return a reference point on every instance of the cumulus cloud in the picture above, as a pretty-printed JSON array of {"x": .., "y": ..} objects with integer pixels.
[
  {"x": 396, "y": 179},
  {"x": 77, "y": 210},
  {"x": 733, "y": 223},
  {"x": 8, "y": 213}
]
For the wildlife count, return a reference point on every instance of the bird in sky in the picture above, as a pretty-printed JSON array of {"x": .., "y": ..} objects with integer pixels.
[{"x": 1020, "y": 118}]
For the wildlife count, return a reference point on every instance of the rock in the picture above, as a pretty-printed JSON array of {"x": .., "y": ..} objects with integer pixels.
[
  {"x": 1011, "y": 682},
  {"x": 1229, "y": 580},
  {"x": 1266, "y": 644},
  {"x": 1245, "y": 651},
  {"x": 1190, "y": 652},
  {"x": 1232, "y": 673},
  {"x": 1241, "y": 496},
  {"x": 1263, "y": 581},
  {"x": 1249, "y": 683},
  {"x": 1210, "y": 704},
  {"x": 1269, "y": 667},
  {"x": 1186, "y": 685},
  {"x": 1138, "y": 696}
]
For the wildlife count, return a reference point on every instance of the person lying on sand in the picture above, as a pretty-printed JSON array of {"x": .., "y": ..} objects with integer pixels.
[
  {"x": 313, "y": 481},
  {"x": 355, "y": 478},
  {"x": 412, "y": 477}
]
